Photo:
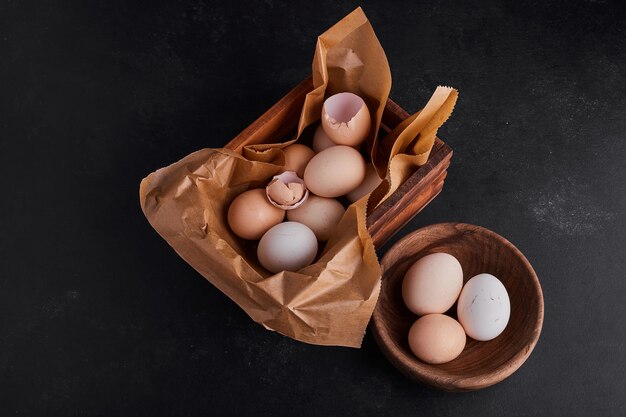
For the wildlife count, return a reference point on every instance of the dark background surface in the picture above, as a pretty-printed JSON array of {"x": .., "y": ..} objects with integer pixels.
[{"x": 99, "y": 317}]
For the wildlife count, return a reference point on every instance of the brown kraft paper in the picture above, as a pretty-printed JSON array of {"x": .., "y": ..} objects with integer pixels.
[
  {"x": 327, "y": 303},
  {"x": 408, "y": 145}
]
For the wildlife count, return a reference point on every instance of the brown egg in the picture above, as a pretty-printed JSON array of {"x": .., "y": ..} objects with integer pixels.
[
  {"x": 321, "y": 140},
  {"x": 436, "y": 338},
  {"x": 432, "y": 284},
  {"x": 346, "y": 119},
  {"x": 335, "y": 171},
  {"x": 320, "y": 214},
  {"x": 369, "y": 184},
  {"x": 250, "y": 214},
  {"x": 296, "y": 158}
]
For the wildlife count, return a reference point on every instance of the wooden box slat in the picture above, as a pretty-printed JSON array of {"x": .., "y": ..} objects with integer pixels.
[{"x": 281, "y": 120}]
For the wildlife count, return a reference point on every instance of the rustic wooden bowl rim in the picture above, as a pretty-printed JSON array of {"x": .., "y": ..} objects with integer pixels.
[{"x": 441, "y": 381}]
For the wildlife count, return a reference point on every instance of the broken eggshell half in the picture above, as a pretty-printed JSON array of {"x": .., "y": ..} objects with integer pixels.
[
  {"x": 346, "y": 119},
  {"x": 287, "y": 191}
]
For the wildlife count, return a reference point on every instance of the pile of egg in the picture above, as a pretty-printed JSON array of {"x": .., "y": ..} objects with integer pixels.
[
  {"x": 430, "y": 287},
  {"x": 305, "y": 192}
]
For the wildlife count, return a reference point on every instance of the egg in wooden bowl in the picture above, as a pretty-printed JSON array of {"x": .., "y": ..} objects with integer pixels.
[{"x": 481, "y": 363}]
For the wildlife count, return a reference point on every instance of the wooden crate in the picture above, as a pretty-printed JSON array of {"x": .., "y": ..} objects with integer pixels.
[{"x": 410, "y": 198}]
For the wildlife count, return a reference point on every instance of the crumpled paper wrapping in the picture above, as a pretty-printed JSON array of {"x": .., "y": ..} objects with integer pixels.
[
  {"x": 329, "y": 302},
  {"x": 348, "y": 57},
  {"x": 408, "y": 145}
]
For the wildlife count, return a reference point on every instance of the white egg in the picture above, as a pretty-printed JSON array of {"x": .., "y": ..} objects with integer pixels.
[
  {"x": 484, "y": 308},
  {"x": 288, "y": 246}
]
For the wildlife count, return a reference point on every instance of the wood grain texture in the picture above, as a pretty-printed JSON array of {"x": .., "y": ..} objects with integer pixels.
[
  {"x": 281, "y": 120},
  {"x": 479, "y": 250},
  {"x": 410, "y": 198}
]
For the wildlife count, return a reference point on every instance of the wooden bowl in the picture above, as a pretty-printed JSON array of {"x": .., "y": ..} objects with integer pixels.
[{"x": 481, "y": 364}]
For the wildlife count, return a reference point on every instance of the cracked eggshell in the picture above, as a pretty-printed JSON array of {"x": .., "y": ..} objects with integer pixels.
[
  {"x": 346, "y": 119},
  {"x": 287, "y": 191},
  {"x": 484, "y": 307},
  {"x": 335, "y": 171},
  {"x": 296, "y": 158}
]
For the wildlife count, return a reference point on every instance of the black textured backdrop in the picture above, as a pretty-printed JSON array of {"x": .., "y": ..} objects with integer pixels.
[{"x": 99, "y": 317}]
